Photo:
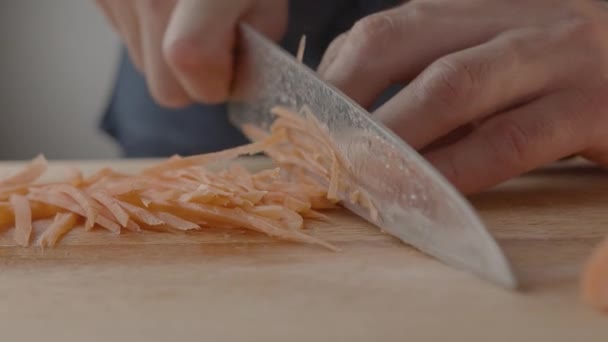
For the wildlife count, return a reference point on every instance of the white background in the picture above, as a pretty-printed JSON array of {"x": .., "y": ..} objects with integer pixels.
[{"x": 57, "y": 63}]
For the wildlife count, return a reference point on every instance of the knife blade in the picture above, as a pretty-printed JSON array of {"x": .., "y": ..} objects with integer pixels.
[{"x": 416, "y": 204}]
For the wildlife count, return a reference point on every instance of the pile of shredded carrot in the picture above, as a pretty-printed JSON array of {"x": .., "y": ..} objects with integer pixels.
[
  {"x": 183, "y": 194},
  {"x": 308, "y": 150}
]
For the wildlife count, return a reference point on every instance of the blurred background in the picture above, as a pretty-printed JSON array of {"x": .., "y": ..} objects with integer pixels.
[{"x": 57, "y": 66}]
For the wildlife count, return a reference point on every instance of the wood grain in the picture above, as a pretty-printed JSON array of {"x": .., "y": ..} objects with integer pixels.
[{"x": 219, "y": 285}]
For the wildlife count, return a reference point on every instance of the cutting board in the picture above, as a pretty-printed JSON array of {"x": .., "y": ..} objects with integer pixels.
[{"x": 218, "y": 285}]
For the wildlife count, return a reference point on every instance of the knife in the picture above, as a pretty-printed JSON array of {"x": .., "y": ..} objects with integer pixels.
[{"x": 415, "y": 203}]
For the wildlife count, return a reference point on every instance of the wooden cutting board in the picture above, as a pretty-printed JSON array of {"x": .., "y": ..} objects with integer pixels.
[{"x": 233, "y": 286}]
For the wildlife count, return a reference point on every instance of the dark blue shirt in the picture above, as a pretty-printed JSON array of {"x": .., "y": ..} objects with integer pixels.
[{"x": 144, "y": 129}]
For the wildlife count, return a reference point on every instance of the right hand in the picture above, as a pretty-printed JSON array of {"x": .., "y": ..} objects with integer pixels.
[{"x": 184, "y": 48}]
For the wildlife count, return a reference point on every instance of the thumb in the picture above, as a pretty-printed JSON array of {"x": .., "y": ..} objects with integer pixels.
[{"x": 199, "y": 41}]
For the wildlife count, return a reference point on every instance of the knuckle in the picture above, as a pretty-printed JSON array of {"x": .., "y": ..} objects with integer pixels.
[
  {"x": 592, "y": 106},
  {"x": 155, "y": 6},
  {"x": 582, "y": 28},
  {"x": 331, "y": 53},
  {"x": 449, "y": 81},
  {"x": 580, "y": 25},
  {"x": 370, "y": 32},
  {"x": 509, "y": 141},
  {"x": 518, "y": 43},
  {"x": 169, "y": 97},
  {"x": 184, "y": 53},
  {"x": 422, "y": 9}
]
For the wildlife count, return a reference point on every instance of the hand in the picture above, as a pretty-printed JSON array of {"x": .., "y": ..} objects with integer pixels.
[
  {"x": 184, "y": 47},
  {"x": 496, "y": 87}
]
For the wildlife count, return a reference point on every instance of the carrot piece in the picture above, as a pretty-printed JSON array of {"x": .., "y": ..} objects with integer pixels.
[
  {"x": 296, "y": 204},
  {"x": 314, "y": 215},
  {"x": 28, "y": 174},
  {"x": 301, "y": 49},
  {"x": 62, "y": 224},
  {"x": 241, "y": 218},
  {"x": 225, "y": 155},
  {"x": 177, "y": 222},
  {"x": 23, "y": 219},
  {"x": 101, "y": 176},
  {"x": 269, "y": 211},
  {"x": 332, "y": 193},
  {"x": 67, "y": 203},
  {"x": 594, "y": 284},
  {"x": 74, "y": 176},
  {"x": 133, "y": 226},
  {"x": 112, "y": 205},
  {"x": 83, "y": 199},
  {"x": 141, "y": 214},
  {"x": 7, "y": 191}
]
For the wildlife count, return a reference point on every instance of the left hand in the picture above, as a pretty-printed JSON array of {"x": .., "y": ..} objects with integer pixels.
[{"x": 496, "y": 87}]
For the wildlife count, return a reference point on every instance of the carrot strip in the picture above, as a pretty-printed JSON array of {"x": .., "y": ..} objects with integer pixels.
[
  {"x": 269, "y": 211},
  {"x": 140, "y": 214},
  {"x": 112, "y": 205},
  {"x": 28, "y": 174},
  {"x": 594, "y": 282},
  {"x": 133, "y": 226},
  {"x": 177, "y": 222},
  {"x": 62, "y": 224},
  {"x": 82, "y": 199},
  {"x": 7, "y": 191},
  {"x": 67, "y": 203},
  {"x": 296, "y": 204},
  {"x": 74, "y": 176},
  {"x": 301, "y": 49},
  {"x": 23, "y": 219},
  {"x": 241, "y": 218},
  {"x": 225, "y": 155}
]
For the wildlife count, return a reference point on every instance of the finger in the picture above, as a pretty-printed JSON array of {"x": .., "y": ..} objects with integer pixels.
[
  {"x": 331, "y": 53},
  {"x": 394, "y": 45},
  {"x": 200, "y": 40},
  {"x": 106, "y": 9},
  {"x": 449, "y": 139},
  {"x": 514, "y": 142},
  {"x": 127, "y": 19},
  {"x": 472, "y": 84},
  {"x": 268, "y": 17},
  {"x": 122, "y": 17},
  {"x": 163, "y": 86},
  {"x": 198, "y": 47}
]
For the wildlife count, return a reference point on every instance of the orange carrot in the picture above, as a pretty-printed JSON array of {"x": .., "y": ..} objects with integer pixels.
[
  {"x": 594, "y": 287},
  {"x": 23, "y": 219},
  {"x": 62, "y": 224},
  {"x": 28, "y": 174},
  {"x": 184, "y": 193}
]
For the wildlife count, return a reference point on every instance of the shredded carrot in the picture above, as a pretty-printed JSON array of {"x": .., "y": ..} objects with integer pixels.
[
  {"x": 141, "y": 214},
  {"x": 250, "y": 149},
  {"x": 74, "y": 176},
  {"x": 83, "y": 200},
  {"x": 63, "y": 201},
  {"x": 185, "y": 193},
  {"x": 28, "y": 174},
  {"x": 301, "y": 48},
  {"x": 112, "y": 205},
  {"x": 133, "y": 226},
  {"x": 594, "y": 282},
  {"x": 177, "y": 222},
  {"x": 23, "y": 219},
  {"x": 62, "y": 224}
]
